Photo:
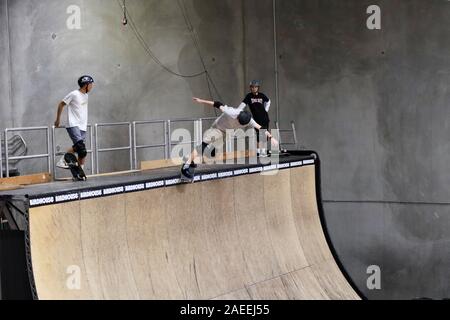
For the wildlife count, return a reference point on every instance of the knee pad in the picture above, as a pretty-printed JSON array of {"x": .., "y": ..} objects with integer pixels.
[
  {"x": 80, "y": 149},
  {"x": 210, "y": 150}
]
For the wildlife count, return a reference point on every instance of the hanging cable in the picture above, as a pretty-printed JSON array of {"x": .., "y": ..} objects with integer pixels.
[
  {"x": 146, "y": 47},
  {"x": 196, "y": 41}
]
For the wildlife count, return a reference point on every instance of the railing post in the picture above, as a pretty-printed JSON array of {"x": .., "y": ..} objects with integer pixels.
[
  {"x": 91, "y": 137},
  {"x": 166, "y": 147},
  {"x": 134, "y": 146},
  {"x": 169, "y": 139},
  {"x": 49, "y": 158},
  {"x": 130, "y": 140},
  {"x": 96, "y": 149},
  {"x": 54, "y": 151},
  {"x": 6, "y": 154}
]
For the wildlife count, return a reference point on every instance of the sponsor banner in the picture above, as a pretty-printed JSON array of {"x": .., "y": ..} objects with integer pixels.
[
  {"x": 210, "y": 176},
  {"x": 42, "y": 201},
  {"x": 226, "y": 174},
  {"x": 115, "y": 190},
  {"x": 66, "y": 197},
  {"x": 283, "y": 165},
  {"x": 135, "y": 187},
  {"x": 91, "y": 194},
  {"x": 154, "y": 184},
  {"x": 270, "y": 168},
  {"x": 296, "y": 164},
  {"x": 240, "y": 172},
  {"x": 172, "y": 182},
  {"x": 255, "y": 170}
]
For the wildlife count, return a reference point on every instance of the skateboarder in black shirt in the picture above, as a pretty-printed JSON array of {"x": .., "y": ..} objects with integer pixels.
[{"x": 259, "y": 105}]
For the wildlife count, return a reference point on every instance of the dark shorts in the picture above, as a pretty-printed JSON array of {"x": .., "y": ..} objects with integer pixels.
[
  {"x": 263, "y": 126},
  {"x": 76, "y": 134}
]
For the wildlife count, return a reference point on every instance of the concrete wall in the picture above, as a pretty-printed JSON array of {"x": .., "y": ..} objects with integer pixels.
[
  {"x": 48, "y": 58},
  {"x": 372, "y": 103}
]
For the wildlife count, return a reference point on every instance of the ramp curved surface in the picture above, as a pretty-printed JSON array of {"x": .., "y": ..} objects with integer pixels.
[{"x": 245, "y": 237}]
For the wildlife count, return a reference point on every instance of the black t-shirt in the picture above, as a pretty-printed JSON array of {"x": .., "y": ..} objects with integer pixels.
[{"x": 256, "y": 104}]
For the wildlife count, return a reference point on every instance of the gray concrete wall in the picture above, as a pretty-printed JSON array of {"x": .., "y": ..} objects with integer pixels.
[
  {"x": 48, "y": 58},
  {"x": 5, "y": 104},
  {"x": 372, "y": 103}
]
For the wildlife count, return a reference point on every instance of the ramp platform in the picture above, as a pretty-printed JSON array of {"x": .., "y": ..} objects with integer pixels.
[{"x": 241, "y": 231}]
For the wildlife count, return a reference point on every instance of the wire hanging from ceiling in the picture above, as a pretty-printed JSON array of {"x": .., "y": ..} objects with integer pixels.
[{"x": 145, "y": 46}]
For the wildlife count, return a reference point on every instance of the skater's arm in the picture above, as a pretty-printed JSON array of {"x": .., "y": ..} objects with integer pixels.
[
  {"x": 61, "y": 106},
  {"x": 242, "y": 106},
  {"x": 216, "y": 104},
  {"x": 267, "y": 105},
  {"x": 205, "y": 102},
  {"x": 255, "y": 125}
]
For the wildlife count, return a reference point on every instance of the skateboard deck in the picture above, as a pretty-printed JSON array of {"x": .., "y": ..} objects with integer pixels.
[
  {"x": 187, "y": 177},
  {"x": 76, "y": 170}
]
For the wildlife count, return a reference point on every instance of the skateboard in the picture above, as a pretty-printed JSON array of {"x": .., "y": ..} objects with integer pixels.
[
  {"x": 187, "y": 176},
  {"x": 77, "y": 172}
]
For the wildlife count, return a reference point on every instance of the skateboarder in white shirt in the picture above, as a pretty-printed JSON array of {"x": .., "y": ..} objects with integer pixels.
[
  {"x": 77, "y": 102},
  {"x": 231, "y": 118}
]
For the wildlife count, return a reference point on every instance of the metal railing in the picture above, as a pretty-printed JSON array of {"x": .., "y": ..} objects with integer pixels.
[
  {"x": 36, "y": 156},
  {"x": 292, "y": 131},
  {"x": 99, "y": 150},
  {"x": 137, "y": 147},
  {"x": 94, "y": 148},
  {"x": 198, "y": 133},
  {"x": 57, "y": 154}
]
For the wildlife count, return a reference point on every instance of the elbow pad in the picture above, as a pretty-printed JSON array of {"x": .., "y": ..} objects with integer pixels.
[{"x": 218, "y": 104}]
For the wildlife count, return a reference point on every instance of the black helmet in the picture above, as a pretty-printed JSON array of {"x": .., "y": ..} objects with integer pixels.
[
  {"x": 84, "y": 80},
  {"x": 244, "y": 118},
  {"x": 255, "y": 83}
]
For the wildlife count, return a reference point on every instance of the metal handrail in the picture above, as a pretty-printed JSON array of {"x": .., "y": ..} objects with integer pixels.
[
  {"x": 294, "y": 134},
  {"x": 129, "y": 147},
  {"x": 38, "y": 156},
  {"x": 56, "y": 154},
  {"x": 198, "y": 134},
  {"x": 149, "y": 146},
  {"x": 94, "y": 143}
]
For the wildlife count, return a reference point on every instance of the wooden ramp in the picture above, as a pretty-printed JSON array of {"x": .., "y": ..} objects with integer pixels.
[{"x": 248, "y": 237}]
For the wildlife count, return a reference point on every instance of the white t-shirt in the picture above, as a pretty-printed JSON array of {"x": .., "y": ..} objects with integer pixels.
[
  {"x": 77, "y": 103},
  {"x": 229, "y": 119}
]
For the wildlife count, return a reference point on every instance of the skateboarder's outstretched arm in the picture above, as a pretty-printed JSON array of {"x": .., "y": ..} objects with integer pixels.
[{"x": 216, "y": 104}]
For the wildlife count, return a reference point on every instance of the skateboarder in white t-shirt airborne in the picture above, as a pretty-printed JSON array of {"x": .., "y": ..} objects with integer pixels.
[{"x": 231, "y": 118}]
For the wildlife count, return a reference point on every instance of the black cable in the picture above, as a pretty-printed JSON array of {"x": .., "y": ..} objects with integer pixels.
[
  {"x": 196, "y": 41},
  {"x": 147, "y": 48}
]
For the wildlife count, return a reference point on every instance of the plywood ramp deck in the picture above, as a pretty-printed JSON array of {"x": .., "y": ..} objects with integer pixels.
[{"x": 248, "y": 237}]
